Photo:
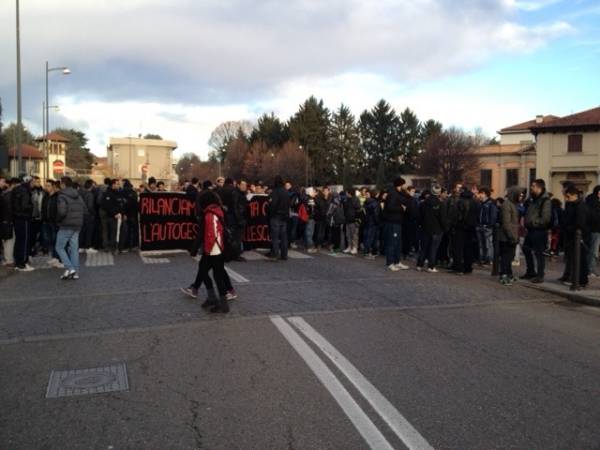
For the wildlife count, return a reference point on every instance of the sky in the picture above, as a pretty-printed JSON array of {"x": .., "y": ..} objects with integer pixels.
[{"x": 180, "y": 68}]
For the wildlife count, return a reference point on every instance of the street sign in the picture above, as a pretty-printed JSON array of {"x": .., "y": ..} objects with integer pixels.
[{"x": 58, "y": 167}]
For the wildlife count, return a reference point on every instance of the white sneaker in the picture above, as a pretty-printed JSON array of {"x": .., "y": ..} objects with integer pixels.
[
  {"x": 81, "y": 250},
  {"x": 354, "y": 251},
  {"x": 434, "y": 270},
  {"x": 419, "y": 269},
  {"x": 27, "y": 268},
  {"x": 91, "y": 251},
  {"x": 393, "y": 268},
  {"x": 401, "y": 266},
  {"x": 348, "y": 250},
  {"x": 516, "y": 263}
]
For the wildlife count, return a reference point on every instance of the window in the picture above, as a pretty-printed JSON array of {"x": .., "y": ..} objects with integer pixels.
[
  {"x": 141, "y": 152},
  {"x": 512, "y": 177},
  {"x": 485, "y": 178},
  {"x": 575, "y": 143},
  {"x": 36, "y": 167},
  {"x": 532, "y": 175}
]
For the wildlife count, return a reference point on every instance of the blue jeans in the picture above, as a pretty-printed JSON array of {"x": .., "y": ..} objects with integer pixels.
[
  {"x": 593, "y": 241},
  {"x": 371, "y": 239},
  {"x": 279, "y": 237},
  {"x": 309, "y": 232},
  {"x": 70, "y": 237},
  {"x": 429, "y": 248},
  {"x": 486, "y": 244},
  {"x": 393, "y": 242}
]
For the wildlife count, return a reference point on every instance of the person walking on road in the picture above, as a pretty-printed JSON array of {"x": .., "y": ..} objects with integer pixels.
[{"x": 70, "y": 212}]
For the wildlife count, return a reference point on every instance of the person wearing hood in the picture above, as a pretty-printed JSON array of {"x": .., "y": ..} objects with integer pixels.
[
  {"x": 537, "y": 221},
  {"x": 431, "y": 220},
  {"x": 22, "y": 212},
  {"x": 70, "y": 212},
  {"x": 508, "y": 234},
  {"x": 466, "y": 214},
  {"x": 593, "y": 203}
]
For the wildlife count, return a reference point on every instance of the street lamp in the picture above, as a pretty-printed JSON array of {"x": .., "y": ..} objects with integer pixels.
[
  {"x": 19, "y": 122},
  {"x": 65, "y": 71}
]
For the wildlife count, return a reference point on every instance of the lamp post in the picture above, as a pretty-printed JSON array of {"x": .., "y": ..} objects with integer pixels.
[
  {"x": 19, "y": 121},
  {"x": 65, "y": 71}
]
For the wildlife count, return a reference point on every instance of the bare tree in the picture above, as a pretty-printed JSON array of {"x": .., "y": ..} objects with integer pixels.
[
  {"x": 225, "y": 133},
  {"x": 449, "y": 156},
  {"x": 237, "y": 150}
]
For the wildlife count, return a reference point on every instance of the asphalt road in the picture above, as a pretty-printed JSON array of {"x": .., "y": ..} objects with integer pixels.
[{"x": 318, "y": 353}]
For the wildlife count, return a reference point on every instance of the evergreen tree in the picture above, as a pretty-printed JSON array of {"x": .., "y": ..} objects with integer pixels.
[
  {"x": 10, "y": 135},
  {"x": 345, "y": 157},
  {"x": 379, "y": 131},
  {"x": 310, "y": 128},
  {"x": 410, "y": 139},
  {"x": 271, "y": 131}
]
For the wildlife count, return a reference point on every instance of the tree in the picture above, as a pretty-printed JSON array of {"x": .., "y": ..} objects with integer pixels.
[
  {"x": 257, "y": 161},
  {"x": 236, "y": 152},
  {"x": 10, "y": 135},
  {"x": 410, "y": 139},
  {"x": 78, "y": 156},
  {"x": 449, "y": 156},
  {"x": 224, "y": 133},
  {"x": 3, "y": 146},
  {"x": 344, "y": 156},
  {"x": 379, "y": 131},
  {"x": 270, "y": 130},
  {"x": 190, "y": 166},
  {"x": 153, "y": 136},
  {"x": 429, "y": 129},
  {"x": 309, "y": 127}
]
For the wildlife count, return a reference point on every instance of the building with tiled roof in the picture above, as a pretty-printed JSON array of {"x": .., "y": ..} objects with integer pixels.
[
  {"x": 521, "y": 133},
  {"x": 55, "y": 137},
  {"x": 34, "y": 162}
]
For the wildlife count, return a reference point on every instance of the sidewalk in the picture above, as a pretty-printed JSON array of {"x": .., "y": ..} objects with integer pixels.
[{"x": 554, "y": 268}]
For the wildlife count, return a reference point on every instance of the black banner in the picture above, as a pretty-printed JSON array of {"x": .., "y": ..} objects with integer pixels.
[
  {"x": 167, "y": 221},
  {"x": 256, "y": 234}
]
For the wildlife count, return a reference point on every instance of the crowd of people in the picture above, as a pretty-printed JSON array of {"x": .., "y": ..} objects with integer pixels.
[{"x": 441, "y": 229}]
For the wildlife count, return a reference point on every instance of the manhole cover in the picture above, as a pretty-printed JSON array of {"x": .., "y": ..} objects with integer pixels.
[{"x": 65, "y": 383}]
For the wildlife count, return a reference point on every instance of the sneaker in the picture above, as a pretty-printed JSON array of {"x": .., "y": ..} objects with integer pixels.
[
  {"x": 293, "y": 245},
  {"x": 393, "y": 268},
  {"x": 25, "y": 268},
  {"x": 190, "y": 291},
  {"x": 419, "y": 269},
  {"x": 231, "y": 295},
  {"x": 75, "y": 276},
  {"x": 312, "y": 250},
  {"x": 593, "y": 275},
  {"x": 432, "y": 270},
  {"x": 370, "y": 257},
  {"x": 91, "y": 251},
  {"x": 402, "y": 266},
  {"x": 516, "y": 263},
  {"x": 68, "y": 275},
  {"x": 348, "y": 250},
  {"x": 566, "y": 283}
]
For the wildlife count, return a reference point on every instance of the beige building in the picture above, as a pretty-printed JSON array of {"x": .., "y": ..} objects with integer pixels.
[
  {"x": 568, "y": 148},
  {"x": 34, "y": 163},
  {"x": 521, "y": 134},
  {"x": 139, "y": 159},
  {"x": 45, "y": 160}
]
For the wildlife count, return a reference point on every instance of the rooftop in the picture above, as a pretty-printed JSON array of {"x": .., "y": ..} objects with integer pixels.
[
  {"x": 588, "y": 118},
  {"x": 27, "y": 151},
  {"x": 54, "y": 137},
  {"x": 526, "y": 126}
]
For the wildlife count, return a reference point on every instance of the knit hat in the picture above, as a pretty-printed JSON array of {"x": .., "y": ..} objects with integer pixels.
[{"x": 436, "y": 190}]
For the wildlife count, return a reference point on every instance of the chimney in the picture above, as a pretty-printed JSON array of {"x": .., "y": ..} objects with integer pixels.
[{"x": 539, "y": 118}]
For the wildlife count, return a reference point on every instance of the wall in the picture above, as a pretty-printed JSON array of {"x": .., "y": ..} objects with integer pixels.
[{"x": 516, "y": 138}]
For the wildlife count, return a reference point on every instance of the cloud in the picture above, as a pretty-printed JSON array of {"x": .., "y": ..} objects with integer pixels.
[{"x": 533, "y": 5}]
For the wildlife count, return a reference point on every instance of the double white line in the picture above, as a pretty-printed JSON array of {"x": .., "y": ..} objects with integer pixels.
[{"x": 370, "y": 433}]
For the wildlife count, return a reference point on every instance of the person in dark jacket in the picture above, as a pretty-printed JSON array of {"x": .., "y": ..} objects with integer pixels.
[
  {"x": 49, "y": 225},
  {"x": 431, "y": 220},
  {"x": 130, "y": 225},
  {"x": 537, "y": 221},
  {"x": 322, "y": 202},
  {"x": 466, "y": 214},
  {"x": 410, "y": 224},
  {"x": 488, "y": 218},
  {"x": 7, "y": 229},
  {"x": 279, "y": 212},
  {"x": 112, "y": 206},
  {"x": 310, "y": 205},
  {"x": 372, "y": 223},
  {"x": 86, "y": 237},
  {"x": 351, "y": 216},
  {"x": 22, "y": 210},
  {"x": 240, "y": 218},
  {"x": 576, "y": 218},
  {"x": 70, "y": 213},
  {"x": 393, "y": 216},
  {"x": 508, "y": 234},
  {"x": 593, "y": 203}
]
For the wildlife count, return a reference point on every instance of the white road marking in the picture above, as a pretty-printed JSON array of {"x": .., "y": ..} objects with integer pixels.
[
  {"x": 99, "y": 259},
  {"x": 147, "y": 260},
  {"x": 396, "y": 421},
  {"x": 236, "y": 276},
  {"x": 253, "y": 255},
  {"x": 357, "y": 416}
]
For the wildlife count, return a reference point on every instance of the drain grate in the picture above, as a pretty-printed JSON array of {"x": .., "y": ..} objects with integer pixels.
[{"x": 66, "y": 383}]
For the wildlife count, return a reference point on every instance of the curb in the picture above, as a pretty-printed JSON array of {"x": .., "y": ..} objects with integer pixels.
[{"x": 574, "y": 296}]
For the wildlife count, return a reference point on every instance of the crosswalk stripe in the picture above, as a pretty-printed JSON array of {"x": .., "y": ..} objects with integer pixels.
[
  {"x": 99, "y": 259},
  {"x": 147, "y": 260},
  {"x": 253, "y": 255},
  {"x": 236, "y": 276}
]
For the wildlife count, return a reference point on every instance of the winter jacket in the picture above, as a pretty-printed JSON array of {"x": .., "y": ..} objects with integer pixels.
[
  {"x": 593, "y": 203},
  {"x": 335, "y": 214},
  {"x": 488, "y": 214},
  {"x": 351, "y": 209},
  {"x": 226, "y": 194},
  {"x": 6, "y": 207},
  {"x": 372, "y": 212},
  {"x": 412, "y": 208},
  {"x": 509, "y": 217},
  {"x": 576, "y": 217},
  {"x": 310, "y": 204},
  {"x": 49, "y": 208},
  {"x": 110, "y": 202},
  {"x": 89, "y": 199},
  {"x": 321, "y": 207},
  {"x": 431, "y": 215},
  {"x": 280, "y": 204},
  {"x": 467, "y": 212},
  {"x": 22, "y": 206},
  {"x": 395, "y": 206},
  {"x": 129, "y": 202},
  {"x": 240, "y": 208},
  {"x": 70, "y": 209},
  {"x": 539, "y": 213}
]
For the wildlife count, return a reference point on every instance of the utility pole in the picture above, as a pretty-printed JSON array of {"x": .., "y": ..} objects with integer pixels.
[{"x": 19, "y": 137}]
